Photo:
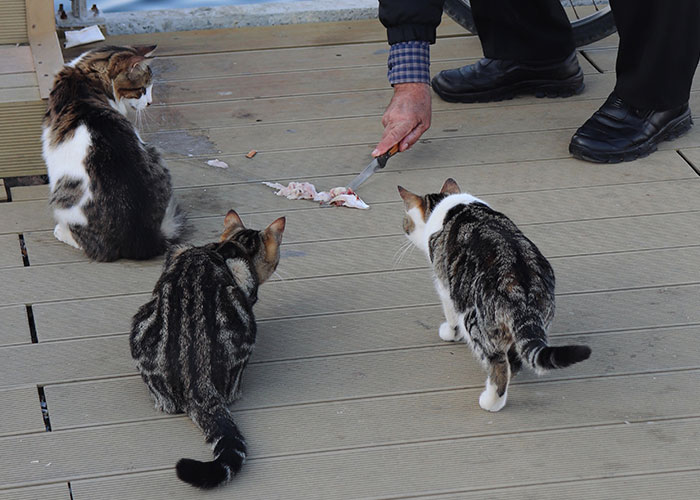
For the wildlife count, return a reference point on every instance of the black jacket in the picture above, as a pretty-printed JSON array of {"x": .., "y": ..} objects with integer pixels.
[{"x": 408, "y": 20}]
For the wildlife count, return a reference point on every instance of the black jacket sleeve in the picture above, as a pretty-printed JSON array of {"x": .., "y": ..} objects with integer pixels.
[{"x": 408, "y": 20}]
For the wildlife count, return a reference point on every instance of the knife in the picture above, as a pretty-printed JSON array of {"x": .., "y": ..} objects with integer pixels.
[{"x": 378, "y": 163}]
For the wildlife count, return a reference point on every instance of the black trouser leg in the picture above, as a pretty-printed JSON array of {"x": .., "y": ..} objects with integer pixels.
[
  {"x": 523, "y": 30},
  {"x": 659, "y": 51}
]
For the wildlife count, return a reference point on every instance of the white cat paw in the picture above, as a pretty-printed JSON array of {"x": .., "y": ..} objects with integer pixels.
[
  {"x": 489, "y": 399},
  {"x": 63, "y": 234},
  {"x": 447, "y": 333}
]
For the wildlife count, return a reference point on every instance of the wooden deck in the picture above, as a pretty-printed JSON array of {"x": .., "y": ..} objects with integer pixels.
[{"x": 351, "y": 393}]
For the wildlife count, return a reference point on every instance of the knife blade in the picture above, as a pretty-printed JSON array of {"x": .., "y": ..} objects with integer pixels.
[{"x": 377, "y": 164}]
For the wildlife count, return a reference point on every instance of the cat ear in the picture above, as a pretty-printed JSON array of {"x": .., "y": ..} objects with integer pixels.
[
  {"x": 145, "y": 50},
  {"x": 272, "y": 236},
  {"x": 136, "y": 62},
  {"x": 232, "y": 221},
  {"x": 450, "y": 187},
  {"x": 410, "y": 200},
  {"x": 276, "y": 229}
]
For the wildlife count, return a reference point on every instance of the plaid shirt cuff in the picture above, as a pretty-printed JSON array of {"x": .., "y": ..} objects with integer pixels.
[{"x": 409, "y": 62}]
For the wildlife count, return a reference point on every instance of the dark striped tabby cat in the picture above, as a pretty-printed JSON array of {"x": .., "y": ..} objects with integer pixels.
[
  {"x": 111, "y": 194},
  {"x": 496, "y": 288},
  {"x": 193, "y": 339}
]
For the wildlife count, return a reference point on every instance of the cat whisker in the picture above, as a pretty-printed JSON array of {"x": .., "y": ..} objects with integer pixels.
[{"x": 403, "y": 251}]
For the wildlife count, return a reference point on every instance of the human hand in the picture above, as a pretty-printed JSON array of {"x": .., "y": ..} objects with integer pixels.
[{"x": 406, "y": 118}]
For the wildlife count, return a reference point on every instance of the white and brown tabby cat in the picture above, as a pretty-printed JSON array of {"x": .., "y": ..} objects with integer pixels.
[
  {"x": 496, "y": 288},
  {"x": 111, "y": 194}
]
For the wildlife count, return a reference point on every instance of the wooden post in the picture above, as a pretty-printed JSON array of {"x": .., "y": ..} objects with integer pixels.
[{"x": 46, "y": 50}]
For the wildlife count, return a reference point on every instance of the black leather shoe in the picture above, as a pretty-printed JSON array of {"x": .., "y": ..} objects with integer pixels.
[
  {"x": 496, "y": 79},
  {"x": 618, "y": 132}
]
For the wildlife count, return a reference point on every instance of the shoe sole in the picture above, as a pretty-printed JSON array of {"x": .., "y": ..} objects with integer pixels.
[
  {"x": 539, "y": 88},
  {"x": 674, "y": 129}
]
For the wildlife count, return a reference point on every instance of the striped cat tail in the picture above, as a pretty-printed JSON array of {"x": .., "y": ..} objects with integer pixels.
[
  {"x": 229, "y": 449},
  {"x": 533, "y": 350}
]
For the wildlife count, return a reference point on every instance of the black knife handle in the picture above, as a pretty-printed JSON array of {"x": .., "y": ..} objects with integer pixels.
[{"x": 382, "y": 159}]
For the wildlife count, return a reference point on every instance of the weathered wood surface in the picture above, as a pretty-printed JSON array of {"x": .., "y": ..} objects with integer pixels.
[{"x": 350, "y": 388}]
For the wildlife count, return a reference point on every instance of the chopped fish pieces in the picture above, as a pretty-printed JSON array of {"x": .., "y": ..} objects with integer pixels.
[{"x": 340, "y": 196}]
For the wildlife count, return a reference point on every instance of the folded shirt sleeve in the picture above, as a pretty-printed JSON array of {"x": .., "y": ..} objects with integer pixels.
[{"x": 409, "y": 62}]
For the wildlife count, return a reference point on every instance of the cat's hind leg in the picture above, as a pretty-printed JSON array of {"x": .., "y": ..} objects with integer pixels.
[
  {"x": 494, "y": 396},
  {"x": 449, "y": 331},
  {"x": 63, "y": 234}
]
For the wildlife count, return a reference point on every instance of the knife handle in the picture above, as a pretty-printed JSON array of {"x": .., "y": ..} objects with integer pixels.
[{"x": 382, "y": 159}]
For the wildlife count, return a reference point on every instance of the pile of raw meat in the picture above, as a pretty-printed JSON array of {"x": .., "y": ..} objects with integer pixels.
[{"x": 339, "y": 196}]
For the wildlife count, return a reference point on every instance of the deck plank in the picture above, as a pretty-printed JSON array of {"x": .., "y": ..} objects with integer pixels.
[
  {"x": 14, "y": 325},
  {"x": 366, "y": 129},
  {"x": 16, "y": 59},
  {"x": 324, "y": 335},
  {"x": 302, "y": 297},
  {"x": 20, "y": 411},
  {"x": 383, "y": 471},
  {"x": 47, "y": 492},
  {"x": 677, "y": 485},
  {"x": 25, "y": 193},
  {"x": 312, "y": 380},
  {"x": 265, "y": 37},
  {"x": 360, "y": 56},
  {"x": 257, "y": 102},
  {"x": 10, "y": 255}
]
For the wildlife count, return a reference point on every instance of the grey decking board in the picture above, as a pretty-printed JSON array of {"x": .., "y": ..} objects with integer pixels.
[
  {"x": 26, "y": 193},
  {"x": 24, "y": 216},
  {"x": 693, "y": 156},
  {"x": 445, "y": 367},
  {"x": 407, "y": 418},
  {"x": 554, "y": 239},
  {"x": 266, "y": 106},
  {"x": 34, "y": 215},
  {"x": 10, "y": 255},
  {"x": 14, "y": 325},
  {"x": 327, "y": 334},
  {"x": 72, "y": 281},
  {"x": 404, "y": 470},
  {"x": 47, "y": 492},
  {"x": 530, "y": 173},
  {"x": 61, "y": 320},
  {"x": 676, "y": 485},
  {"x": 305, "y": 134},
  {"x": 554, "y": 205},
  {"x": 20, "y": 411},
  {"x": 68, "y": 360},
  {"x": 392, "y": 289},
  {"x": 303, "y": 297}
]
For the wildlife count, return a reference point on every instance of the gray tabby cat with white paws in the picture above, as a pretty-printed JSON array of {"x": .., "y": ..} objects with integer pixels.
[{"x": 496, "y": 288}]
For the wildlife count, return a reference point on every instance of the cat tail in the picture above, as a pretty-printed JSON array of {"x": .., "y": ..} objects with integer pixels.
[
  {"x": 173, "y": 224},
  {"x": 531, "y": 345},
  {"x": 228, "y": 444}
]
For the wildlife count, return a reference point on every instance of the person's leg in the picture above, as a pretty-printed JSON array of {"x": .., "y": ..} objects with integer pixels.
[
  {"x": 523, "y": 31},
  {"x": 658, "y": 54},
  {"x": 528, "y": 48}
]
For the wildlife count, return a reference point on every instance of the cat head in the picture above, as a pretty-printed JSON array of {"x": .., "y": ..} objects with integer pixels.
[
  {"x": 418, "y": 209},
  {"x": 124, "y": 71},
  {"x": 263, "y": 247}
]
